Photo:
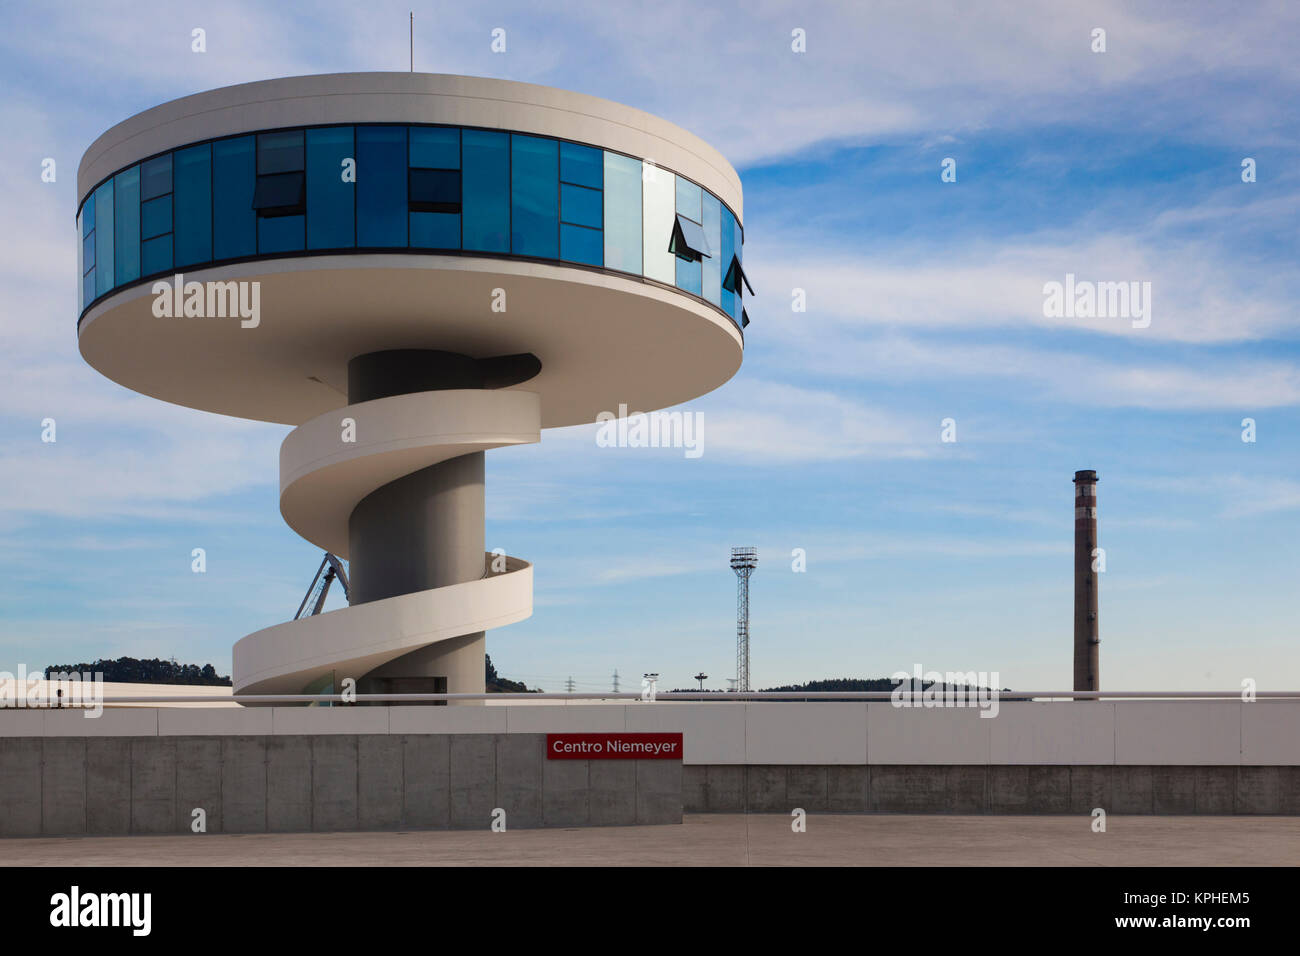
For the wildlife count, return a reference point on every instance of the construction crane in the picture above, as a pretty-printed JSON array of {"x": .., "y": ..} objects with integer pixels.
[{"x": 330, "y": 568}]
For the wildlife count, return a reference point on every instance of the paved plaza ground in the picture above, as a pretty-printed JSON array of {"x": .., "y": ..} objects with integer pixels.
[{"x": 722, "y": 840}]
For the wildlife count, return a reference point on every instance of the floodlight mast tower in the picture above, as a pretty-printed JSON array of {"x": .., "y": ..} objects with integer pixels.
[
  {"x": 744, "y": 561},
  {"x": 413, "y": 271}
]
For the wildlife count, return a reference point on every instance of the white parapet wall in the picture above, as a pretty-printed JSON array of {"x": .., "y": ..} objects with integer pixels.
[
  {"x": 1135, "y": 733},
  {"x": 38, "y": 688}
]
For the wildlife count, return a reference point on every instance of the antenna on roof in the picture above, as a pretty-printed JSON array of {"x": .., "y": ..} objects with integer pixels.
[{"x": 412, "y": 41}]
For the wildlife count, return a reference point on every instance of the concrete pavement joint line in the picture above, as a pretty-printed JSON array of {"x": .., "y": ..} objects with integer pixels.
[{"x": 747, "y": 856}]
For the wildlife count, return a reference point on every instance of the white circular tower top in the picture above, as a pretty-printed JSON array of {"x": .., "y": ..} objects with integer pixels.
[{"x": 632, "y": 297}]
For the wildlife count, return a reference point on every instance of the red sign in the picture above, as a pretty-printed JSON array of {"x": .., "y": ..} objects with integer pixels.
[{"x": 614, "y": 746}]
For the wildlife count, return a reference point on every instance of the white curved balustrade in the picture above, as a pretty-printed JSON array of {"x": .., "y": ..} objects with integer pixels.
[
  {"x": 327, "y": 466},
  {"x": 323, "y": 477}
]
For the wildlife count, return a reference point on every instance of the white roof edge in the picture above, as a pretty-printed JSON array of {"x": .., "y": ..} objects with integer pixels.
[{"x": 409, "y": 98}]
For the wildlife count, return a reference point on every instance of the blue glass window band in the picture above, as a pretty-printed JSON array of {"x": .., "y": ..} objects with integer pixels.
[{"x": 289, "y": 191}]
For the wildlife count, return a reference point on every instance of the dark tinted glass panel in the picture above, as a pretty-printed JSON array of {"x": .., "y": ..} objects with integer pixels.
[
  {"x": 86, "y": 258},
  {"x": 435, "y": 148},
  {"x": 156, "y": 218},
  {"x": 156, "y": 255},
  {"x": 435, "y": 190},
  {"x": 690, "y": 276},
  {"x": 280, "y": 194},
  {"x": 735, "y": 279},
  {"x": 126, "y": 224},
  {"x": 725, "y": 252},
  {"x": 688, "y": 240},
  {"x": 331, "y": 202},
  {"x": 435, "y": 230},
  {"x": 534, "y": 197},
  {"x": 280, "y": 234},
  {"x": 381, "y": 186},
  {"x": 728, "y": 298},
  {"x": 88, "y": 288},
  {"x": 234, "y": 224},
  {"x": 280, "y": 152},
  {"x": 104, "y": 238},
  {"x": 485, "y": 198},
  {"x": 580, "y": 205},
  {"x": 524, "y": 194},
  {"x": 579, "y": 244},
  {"x": 81, "y": 267},
  {"x": 156, "y": 177},
  {"x": 738, "y": 245},
  {"x": 192, "y": 204},
  {"x": 581, "y": 165}
]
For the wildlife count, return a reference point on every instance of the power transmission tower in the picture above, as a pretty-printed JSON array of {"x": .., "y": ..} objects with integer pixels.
[
  {"x": 616, "y": 680},
  {"x": 743, "y": 561},
  {"x": 568, "y": 685}
]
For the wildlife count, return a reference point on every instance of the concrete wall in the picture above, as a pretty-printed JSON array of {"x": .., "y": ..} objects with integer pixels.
[
  {"x": 143, "y": 770},
  {"x": 1209, "y": 733},
  {"x": 251, "y": 783},
  {"x": 967, "y": 789}
]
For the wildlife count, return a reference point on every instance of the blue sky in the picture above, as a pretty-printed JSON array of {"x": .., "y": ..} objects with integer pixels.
[{"x": 924, "y": 303}]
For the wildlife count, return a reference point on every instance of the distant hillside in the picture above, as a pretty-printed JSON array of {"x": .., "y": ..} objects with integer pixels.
[
  {"x": 839, "y": 683},
  {"x": 128, "y": 670},
  {"x": 855, "y": 683},
  {"x": 832, "y": 684}
]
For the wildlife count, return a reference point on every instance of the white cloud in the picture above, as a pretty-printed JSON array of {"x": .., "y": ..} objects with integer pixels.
[
  {"x": 870, "y": 72},
  {"x": 691, "y": 557},
  {"x": 763, "y": 422},
  {"x": 1198, "y": 294},
  {"x": 1209, "y": 382},
  {"x": 884, "y": 70},
  {"x": 1237, "y": 495},
  {"x": 927, "y": 312},
  {"x": 758, "y": 421},
  {"x": 118, "y": 453},
  {"x": 1257, "y": 496}
]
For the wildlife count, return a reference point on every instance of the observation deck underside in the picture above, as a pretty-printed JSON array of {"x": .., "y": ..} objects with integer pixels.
[{"x": 602, "y": 339}]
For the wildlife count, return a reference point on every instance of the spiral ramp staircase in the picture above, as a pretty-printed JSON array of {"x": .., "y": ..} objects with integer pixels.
[{"x": 322, "y": 480}]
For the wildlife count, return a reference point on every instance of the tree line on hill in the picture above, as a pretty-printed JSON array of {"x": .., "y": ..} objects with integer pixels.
[
  {"x": 496, "y": 684},
  {"x": 128, "y": 670},
  {"x": 860, "y": 684}
]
